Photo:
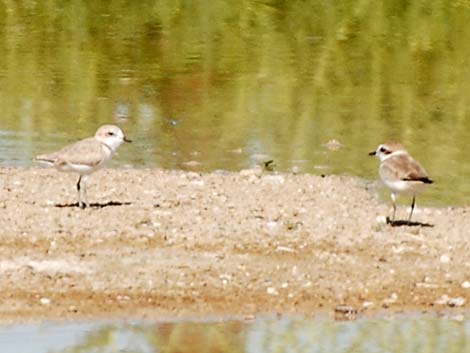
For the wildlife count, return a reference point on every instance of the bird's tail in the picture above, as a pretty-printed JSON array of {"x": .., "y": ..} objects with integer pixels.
[
  {"x": 427, "y": 180},
  {"x": 46, "y": 159}
]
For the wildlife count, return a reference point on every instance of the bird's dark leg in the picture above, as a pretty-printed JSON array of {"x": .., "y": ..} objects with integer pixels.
[
  {"x": 80, "y": 203},
  {"x": 412, "y": 208}
]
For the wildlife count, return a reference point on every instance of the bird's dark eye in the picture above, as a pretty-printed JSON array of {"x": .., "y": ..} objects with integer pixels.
[
  {"x": 382, "y": 149},
  {"x": 110, "y": 133}
]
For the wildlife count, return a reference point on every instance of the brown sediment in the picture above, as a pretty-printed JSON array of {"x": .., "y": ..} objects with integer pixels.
[{"x": 173, "y": 243}]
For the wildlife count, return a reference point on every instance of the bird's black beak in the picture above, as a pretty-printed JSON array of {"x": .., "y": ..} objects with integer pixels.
[
  {"x": 373, "y": 153},
  {"x": 127, "y": 140}
]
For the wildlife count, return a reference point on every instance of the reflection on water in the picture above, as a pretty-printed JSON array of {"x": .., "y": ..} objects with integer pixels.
[
  {"x": 399, "y": 335},
  {"x": 207, "y": 84}
]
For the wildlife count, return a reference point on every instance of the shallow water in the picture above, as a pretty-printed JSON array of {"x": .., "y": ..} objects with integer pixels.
[
  {"x": 400, "y": 335},
  {"x": 209, "y": 84}
]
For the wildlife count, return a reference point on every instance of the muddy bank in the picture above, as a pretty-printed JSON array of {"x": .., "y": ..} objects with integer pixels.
[{"x": 172, "y": 243}]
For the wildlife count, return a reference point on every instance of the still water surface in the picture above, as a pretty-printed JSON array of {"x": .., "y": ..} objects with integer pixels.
[
  {"x": 403, "y": 335},
  {"x": 208, "y": 84}
]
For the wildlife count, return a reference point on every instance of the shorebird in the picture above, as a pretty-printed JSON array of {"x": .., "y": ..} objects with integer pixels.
[
  {"x": 400, "y": 173},
  {"x": 86, "y": 156}
]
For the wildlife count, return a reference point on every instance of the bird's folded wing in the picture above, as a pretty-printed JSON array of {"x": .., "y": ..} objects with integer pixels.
[
  {"x": 85, "y": 152},
  {"x": 403, "y": 167}
]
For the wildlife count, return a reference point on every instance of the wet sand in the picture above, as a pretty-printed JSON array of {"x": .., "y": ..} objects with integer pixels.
[{"x": 162, "y": 243}]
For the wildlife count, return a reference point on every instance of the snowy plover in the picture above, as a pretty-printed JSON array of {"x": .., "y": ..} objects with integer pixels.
[
  {"x": 400, "y": 172},
  {"x": 86, "y": 156}
]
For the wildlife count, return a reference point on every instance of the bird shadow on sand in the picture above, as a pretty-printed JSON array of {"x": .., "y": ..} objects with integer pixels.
[
  {"x": 94, "y": 205},
  {"x": 403, "y": 223}
]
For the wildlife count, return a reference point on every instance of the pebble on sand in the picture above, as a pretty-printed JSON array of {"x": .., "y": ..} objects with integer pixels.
[{"x": 45, "y": 301}]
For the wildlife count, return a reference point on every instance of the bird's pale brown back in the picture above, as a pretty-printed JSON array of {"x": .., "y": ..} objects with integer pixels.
[
  {"x": 88, "y": 151},
  {"x": 403, "y": 167}
]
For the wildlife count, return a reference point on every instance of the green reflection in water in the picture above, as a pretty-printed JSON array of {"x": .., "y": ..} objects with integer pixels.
[
  {"x": 196, "y": 81},
  {"x": 399, "y": 335}
]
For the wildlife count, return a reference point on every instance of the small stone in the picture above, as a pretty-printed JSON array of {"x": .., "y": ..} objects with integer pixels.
[
  {"x": 271, "y": 225},
  {"x": 398, "y": 250},
  {"x": 45, "y": 301},
  {"x": 345, "y": 309},
  {"x": 285, "y": 249},
  {"x": 426, "y": 285},
  {"x": 459, "y": 301},
  {"x": 197, "y": 182},
  {"x": 272, "y": 228},
  {"x": 272, "y": 291},
  {"x": 443, "y": 300},
  {"x": 393, "y": 298},
  {"x": 444, "y": 259},
  {"x": 345, "y": 312},
  {"x": 225, "y": 276},
  {"x": 466, "y": 285}
]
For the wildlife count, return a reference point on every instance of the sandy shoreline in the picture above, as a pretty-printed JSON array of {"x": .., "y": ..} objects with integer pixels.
[{"x": 175, "y": 244}]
